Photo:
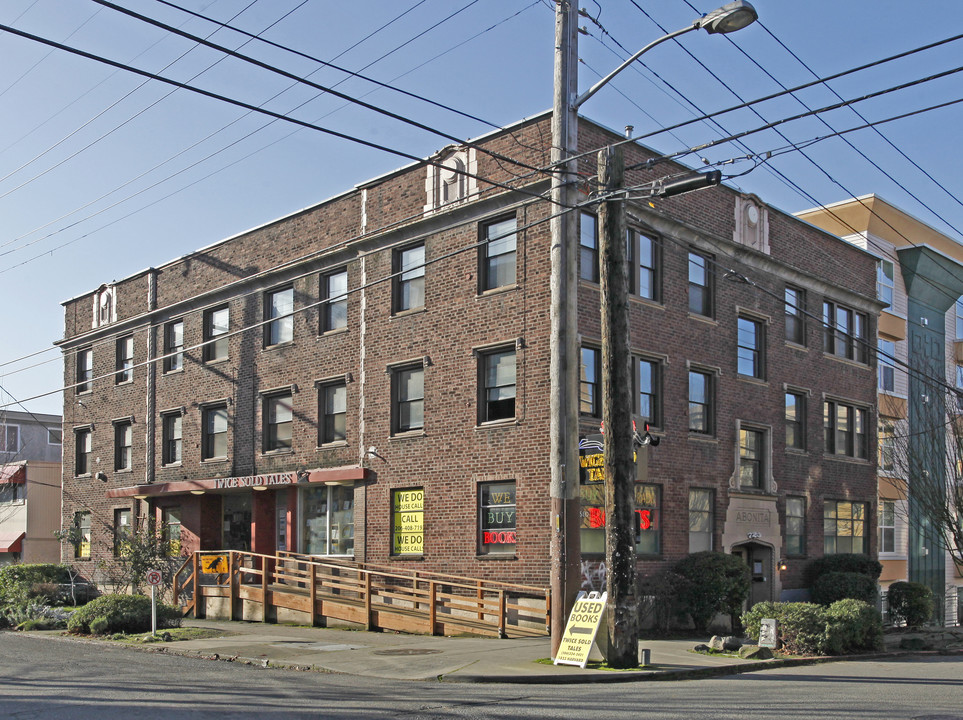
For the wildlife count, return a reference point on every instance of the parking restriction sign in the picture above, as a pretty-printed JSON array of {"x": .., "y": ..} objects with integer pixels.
[{"x": 154, "y": 578}]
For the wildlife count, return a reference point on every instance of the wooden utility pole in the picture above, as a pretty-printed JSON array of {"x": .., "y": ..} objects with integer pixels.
[{"x": 617, "y": 417}]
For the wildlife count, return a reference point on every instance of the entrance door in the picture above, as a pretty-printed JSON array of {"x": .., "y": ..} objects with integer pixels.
[
  {"x": 759, "y": 559},
  {"x": 236, "y": 533}
]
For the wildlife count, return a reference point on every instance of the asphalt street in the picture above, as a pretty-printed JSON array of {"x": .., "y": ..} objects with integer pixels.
[{"x": 50, "y": 678}]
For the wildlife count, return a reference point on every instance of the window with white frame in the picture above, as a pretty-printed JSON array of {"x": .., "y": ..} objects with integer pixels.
[
  {"x": 588, "y": 261},
  {"x": 174, "y": 346},
  {"x": 217, "y": 324},
  {"x": 886, "y": 524},
  {"x": 83, "y": 537},
  {"x": 278, "y": 421},
  {"x": 9, "y": 438},
  {"x": 886, "y": 363},
  {"x": 279, "y": 309},
  {"x": 214, "y": 432},
  {"x": 959, "y": 319},
  {"x": 334, "y": 290},
  {"x": 332, "y": 397},
  {"x": 125, "y": 360},
  {"x": 85, "y": 370},
  {"x": 123, "y": 442},
  {"x": 496, "y": 399},
  {"x": 172, "y": 438},
  {"x": 408, "y": 282},
  {"x": 886, "y": 445},
  {"x": 497, "y": 254},
  {"x": 884, "y": 281},
  {"x": 55, "y": 436},
  {"x": 408, "y": 399},
  {"x": 590, "y": 382}
]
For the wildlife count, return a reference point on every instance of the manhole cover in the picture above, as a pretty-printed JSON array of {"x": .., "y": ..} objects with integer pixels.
[{"x": 407, "y": 651}]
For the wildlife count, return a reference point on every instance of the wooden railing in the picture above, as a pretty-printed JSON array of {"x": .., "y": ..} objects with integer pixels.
[{"x": 371, "y": 596}]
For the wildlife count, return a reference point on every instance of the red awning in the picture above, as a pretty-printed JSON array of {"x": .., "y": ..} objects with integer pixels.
[
  {"x": 10, "y": 541},
  {"x": 13, "y": 473}
]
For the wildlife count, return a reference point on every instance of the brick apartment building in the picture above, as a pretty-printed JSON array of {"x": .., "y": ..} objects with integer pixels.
[{"x": 368, "y": 378}]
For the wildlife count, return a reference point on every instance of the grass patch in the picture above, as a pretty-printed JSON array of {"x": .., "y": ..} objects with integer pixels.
[
  {"x": 175, "y": 634},
  {"x": 600, "y": 666}
]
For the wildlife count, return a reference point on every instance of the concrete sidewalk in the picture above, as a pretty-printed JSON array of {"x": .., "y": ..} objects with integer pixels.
[{"x": 450, "y": 659}]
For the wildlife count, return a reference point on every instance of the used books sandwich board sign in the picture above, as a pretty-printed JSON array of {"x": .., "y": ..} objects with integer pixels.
[{"x": 583, "y": 625}]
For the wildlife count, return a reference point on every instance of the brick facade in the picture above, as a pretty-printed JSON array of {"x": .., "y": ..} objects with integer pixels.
[{"x": 363, "y": 231}]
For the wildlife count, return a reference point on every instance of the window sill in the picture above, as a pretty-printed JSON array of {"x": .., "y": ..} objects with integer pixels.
[
  {"x": 177, "y": 464},
  {"x": 332, "y": 445},
  {"x": 802, "y": 452},
  {"x": 277, "y": 346},
  {"x": 333, "y": 331},
  {"x": 704, "y": 319},
  {"x": 406, "y": 313},
  {"x": 648, "y": 302},
  {"x": 753, "y": 380},
  {"x": 85, "y": 392},
  {"x": 847, "y": 361},
  {"x": 497, "y": 556},
  {"x": 217, "y": 361},
  {"x": 213, "y": 461},
  {"x": 178, "y": 371},
  {"x": 124, "y": 382},
  {"x": 793, "y": 345},
  {"x": 402, "y": 558},
  {"x": 277, "y": 453},
  {"x": 495, "y": 424},
  {"x": 83, "y": 476},
  {"x": 496, "y": 291},
  {"x": 703, "y": 437},
  {"x": 123, "y": 471},
  {"x": 847, "y": 459},
  {"x": 407, "y": 435}
]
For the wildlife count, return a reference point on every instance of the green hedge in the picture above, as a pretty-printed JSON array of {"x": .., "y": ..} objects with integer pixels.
[
  {"x": 711, "y": 582},
  {"x": 832, "y": 586},
  {"x": 845, "y": 562},
  {"x": 20, "y": 583},
  {"x": 910, "y": 603},
  {"x": 808, "y": 629},
  {"x": 121, "y": 613}
]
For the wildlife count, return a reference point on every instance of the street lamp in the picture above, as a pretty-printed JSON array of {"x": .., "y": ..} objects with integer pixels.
[{"x": 564, "y": 354}]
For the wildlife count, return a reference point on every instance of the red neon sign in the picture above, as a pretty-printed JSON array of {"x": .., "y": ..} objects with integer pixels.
[
  {"x": 502, "y": 537},
  {"x": 597, "y": 518}
]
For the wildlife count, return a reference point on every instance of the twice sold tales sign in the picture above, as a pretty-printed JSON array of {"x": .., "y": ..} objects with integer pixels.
[{"x": 583, "y": 626}]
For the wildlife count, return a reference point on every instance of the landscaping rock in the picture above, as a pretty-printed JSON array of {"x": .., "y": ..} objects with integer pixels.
[
  {"x": 754, "y": 652},
  {"x": 731, "y": 643},
  {"x": 716, "y": 643},
  {"x": 702, "y": 648}
]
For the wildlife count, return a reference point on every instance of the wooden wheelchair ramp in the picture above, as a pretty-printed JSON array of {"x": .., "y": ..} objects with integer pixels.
[{"x": 243, "y": 585}]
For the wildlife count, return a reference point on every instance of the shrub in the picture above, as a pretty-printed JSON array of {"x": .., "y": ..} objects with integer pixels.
[
  {"x": 910, "y": 603},
  {"x": 802, "y": 629},
  {"x": 98, "y": 626},
  {"x": 853, "y": 625},
  {"x": 832, "y": 586},
  {"x": 657, "y": 594},
  {"x": 712, "y": 582},
  {"x": 15, "y": 615},
  {"x": 846, "y": 562},
  {"x": 122, "y": 613},
  {"x": 21, "y": 583}
]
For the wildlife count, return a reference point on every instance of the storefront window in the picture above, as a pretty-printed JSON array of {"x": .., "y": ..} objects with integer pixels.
[
  {"x": 328, "y": 514},
  {"x": 408, "y": 521},
  {"x": 172, "y": 530},
  {"x": 496, "y": 522},
  {"x": 646, "y": 519}
]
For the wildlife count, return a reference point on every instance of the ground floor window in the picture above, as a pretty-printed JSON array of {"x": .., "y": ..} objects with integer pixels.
[
  {"x": 408, "y": 521},
  {"x": 122, "y": 531},
  {"x": 795, "y": 526},
  {"x": 497, "y": 532},
  {"x": 646, "y": 519},
  {"x": 844, "y": 527},
  {"x": 700, "y": 519},
  {"x": 82, "y": 528},
  {"x": 328, "y": 520},
  {"x": 171, "y": 529}
]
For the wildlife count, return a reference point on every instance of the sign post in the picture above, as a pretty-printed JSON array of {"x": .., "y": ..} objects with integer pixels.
[
  {"x": 153, "y": 578},
  {"x": 583, "y": 625}
]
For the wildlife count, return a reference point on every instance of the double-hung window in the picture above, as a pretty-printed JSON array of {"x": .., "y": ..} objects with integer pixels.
[
  {"x": 886, "y": 363},
  {"x": 83, "y": 537},
  {"x": 279, "y": 309},
  {"x": 214, "y": 432},
  {"x": 85, "y": 370},
  {"x": 334, "y": 290},
  {"x": 83, "y": 446},
  {"x": 750, "y": 354},
  {"x": 645, "y": 253},
  {"x": 795, "y": 420},
  {"x": 795, "y": 316},
  {"x": 700, "y": 285},
  {"x": 701, "y": 410},
  {"x": 844, "y": 527},
  {"x": 332, "y": 397},
  {"x": 9, "y": 438},
  {"x": 752, "y": 458},
  {"x": 846, "y": 429},
  {"x": 498, "y": 254},
  {"x": 844, "y": 332},
  {"x": 409, "y": 279},
  {"x": 884, "y": 281},
  {"x": 171, "y": 438},
  {"x": 588, "y": 261},
  {"x": 408, "y": 399},
  {"x": 649, "y": 391},
  {"x": 590, "y": 383},
  {"x": 700, "y": 519},
  {"x": 125, "y": 360},
  {"x": 887, "y": 526},
  {"x": 278, "y": 421},
  {"x": 497, "y": 386},
  {"x": 123, "y": 442},
  {"x": 217, "y": 324},
  {"x": 174, "y": 346},
  {"x": 795, "y": 526}
]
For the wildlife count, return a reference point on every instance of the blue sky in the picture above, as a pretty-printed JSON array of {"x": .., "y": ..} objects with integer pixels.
[{"x": 103, "y": 174}]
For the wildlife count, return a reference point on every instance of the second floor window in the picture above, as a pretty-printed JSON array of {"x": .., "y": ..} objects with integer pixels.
[
  {"x": 700, "y": 285},
  {"x": 590, "y": 383},
  {"x": 334, "y": 289},
  {"x": 172, "y": 438},
  {"x": 174, "y": 346},
  {"x": 408, "y": 393},
  {"x": 498, "y": 253},
  {"x": 217, "y": 324},
  {"x": 795, "y": 420},
  {"x": 409, "y": 279},
  {"x": 83, "y": 446},
  {"x": 700, "y": 519},
  {"x": 123, "y": 441},
  {"x": 497, "y": 401},
  {"x": 125, "y": 360},
  {"x": 649, "y": 395},
  {"x": 279, "y": 309},
  {"x": 887, "y": 526},
  {"x": 278, "y": 422},
  {"x": 333, "y": 399},
  {"x": 214, "y": 440},
  {"x": 9, "y": 438},
  {"x": 588, "y": 261},
  {"x": 886, "y": 445},
  {"x": 752, "y": 458}
]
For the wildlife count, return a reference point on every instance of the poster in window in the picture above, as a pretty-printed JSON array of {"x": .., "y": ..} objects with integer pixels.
[
  {"x": 497, "y": 526},
  {"x": 408, "y": 517}
]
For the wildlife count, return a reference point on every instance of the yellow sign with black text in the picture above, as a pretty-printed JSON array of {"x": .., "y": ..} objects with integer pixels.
[
  {"x": 214, "y": 564},
  {"x": 408, "y": 522},
  {"x": 583, "y": 625}
]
